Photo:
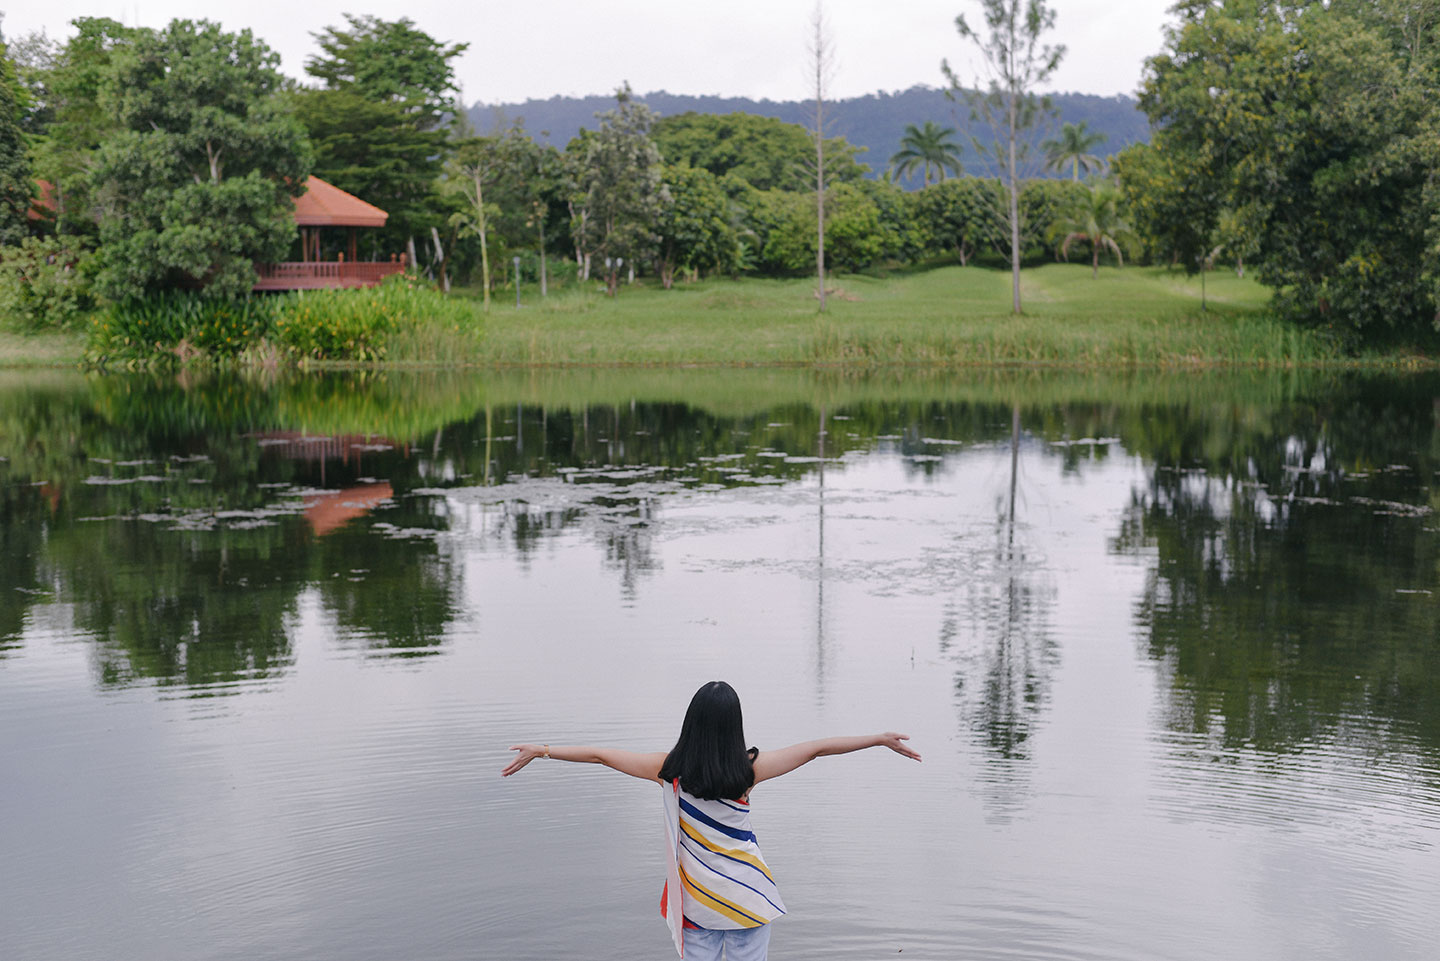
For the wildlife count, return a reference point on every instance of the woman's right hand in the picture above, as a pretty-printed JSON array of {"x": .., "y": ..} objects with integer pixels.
[{"x": 896, "y": 743}]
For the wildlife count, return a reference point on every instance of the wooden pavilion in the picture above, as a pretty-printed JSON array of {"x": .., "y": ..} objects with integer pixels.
[{"x": 324, "y": 206}]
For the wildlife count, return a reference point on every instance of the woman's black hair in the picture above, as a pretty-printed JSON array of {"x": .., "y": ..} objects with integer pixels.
[{"x": 710, "y": 758}]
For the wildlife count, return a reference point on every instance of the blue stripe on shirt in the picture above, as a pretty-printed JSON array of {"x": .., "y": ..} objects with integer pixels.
[
  {"x": 704, "y": 818},
  {"x": 727, "y": 877}
]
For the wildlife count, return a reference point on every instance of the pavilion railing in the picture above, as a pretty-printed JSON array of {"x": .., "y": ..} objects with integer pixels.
[{"x": 316, "y": 275}]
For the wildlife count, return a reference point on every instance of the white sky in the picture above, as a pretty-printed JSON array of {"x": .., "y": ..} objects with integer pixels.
[{"x": 749, "y": 48}]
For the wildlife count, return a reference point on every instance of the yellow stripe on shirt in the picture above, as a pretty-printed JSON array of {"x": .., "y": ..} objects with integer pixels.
[
  {"x": 718, "y": 904},
  {"x": 744, "y": 856}
]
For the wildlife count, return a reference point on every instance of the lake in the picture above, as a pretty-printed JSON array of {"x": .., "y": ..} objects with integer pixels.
[{"x": 1169, "y": 644}]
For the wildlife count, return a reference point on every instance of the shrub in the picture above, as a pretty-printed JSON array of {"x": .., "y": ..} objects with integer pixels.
[
  {"x": 43, "y": 284},
  {"x": 343, "y": 325},
  {"x": 183, "y": 323},
  {"x": 357, "y": 324}
]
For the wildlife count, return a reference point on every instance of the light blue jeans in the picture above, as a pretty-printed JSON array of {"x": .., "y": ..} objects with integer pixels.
[{"x": 743, "y": 944}]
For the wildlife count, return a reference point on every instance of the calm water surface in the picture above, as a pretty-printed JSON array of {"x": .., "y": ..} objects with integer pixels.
[{"x": 1170, "y": 648}]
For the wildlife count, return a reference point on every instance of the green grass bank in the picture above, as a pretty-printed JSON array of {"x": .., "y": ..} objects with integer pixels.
[{"x": 945, "y": 317}]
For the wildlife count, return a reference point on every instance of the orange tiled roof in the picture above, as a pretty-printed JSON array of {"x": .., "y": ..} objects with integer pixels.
[{"x": 325, "y": 205}]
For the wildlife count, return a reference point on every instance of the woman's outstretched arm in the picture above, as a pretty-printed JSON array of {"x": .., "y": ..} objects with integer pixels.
[
  {"x": 775, "y": 763},
  {"x": 635, "y": 764}
]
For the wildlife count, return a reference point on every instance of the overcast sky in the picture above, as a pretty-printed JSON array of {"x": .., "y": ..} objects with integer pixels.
[{"x": 749, "y": 48}]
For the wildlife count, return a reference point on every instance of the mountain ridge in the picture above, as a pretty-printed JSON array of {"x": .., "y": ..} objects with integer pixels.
[{"x": 875, "y": 121}]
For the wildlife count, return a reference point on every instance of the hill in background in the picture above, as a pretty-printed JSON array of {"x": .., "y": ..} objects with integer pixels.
[{"x": 876, "y": 121}]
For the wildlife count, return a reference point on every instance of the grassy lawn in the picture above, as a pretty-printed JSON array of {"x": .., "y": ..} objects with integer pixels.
[
  {"x": 951, "y": 316},
  {"x": 945, "y": 317},
  {"x": 50, "y": 349}
]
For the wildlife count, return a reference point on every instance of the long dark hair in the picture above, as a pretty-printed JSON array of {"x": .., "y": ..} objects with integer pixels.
[{"x": 710, "y": 757}]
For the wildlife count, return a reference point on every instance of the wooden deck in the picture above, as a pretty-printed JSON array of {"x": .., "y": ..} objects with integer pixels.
[{"x": 320, "y": 275}]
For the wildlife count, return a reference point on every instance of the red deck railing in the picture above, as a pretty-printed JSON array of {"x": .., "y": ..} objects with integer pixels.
[{"x": 316, "y": 275}]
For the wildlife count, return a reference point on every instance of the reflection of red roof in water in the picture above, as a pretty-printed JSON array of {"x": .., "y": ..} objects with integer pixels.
[
  {"x": 297, "y": 445},
  {"x": 331, "y": 510}
]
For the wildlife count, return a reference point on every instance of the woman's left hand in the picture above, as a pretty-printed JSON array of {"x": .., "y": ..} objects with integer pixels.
[{"x": 527, "y": 753}]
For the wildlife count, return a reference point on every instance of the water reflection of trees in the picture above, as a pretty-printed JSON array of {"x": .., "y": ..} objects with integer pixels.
[
  {"x": 212, "y": 551},
  {"x": 1295, "y": 563},
  {"x": 996, "y": 625}
]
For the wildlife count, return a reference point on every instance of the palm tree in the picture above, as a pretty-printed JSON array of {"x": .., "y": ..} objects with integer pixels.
[
  {"x": 925, "y": 147},
  {"x": 1072, "y": 149},
  {"x": 1096, "y": 218}
]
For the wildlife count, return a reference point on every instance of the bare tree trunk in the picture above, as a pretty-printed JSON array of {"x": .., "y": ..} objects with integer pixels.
[
  {"x": 440, "y": 258},
  {"x": 821, "y": 54},
  {"x": 484, "y": 247},
  {"x": 544, "y": 284},
  {"x": 1014, "y": 209}
]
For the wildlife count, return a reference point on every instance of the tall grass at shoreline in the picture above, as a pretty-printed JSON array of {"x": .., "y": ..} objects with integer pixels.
[{"x": 353, "y": 325}]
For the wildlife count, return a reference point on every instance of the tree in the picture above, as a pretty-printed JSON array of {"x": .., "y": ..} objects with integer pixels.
[
  {"x": 1096, "y": 220},
  {"x": 618, "y": 187},
  {"x": 763, "y": 152},
  {"x": 1174, "y": 208},
  {"x": 15, "y": 183},
  {"x": 1072, "y": 149},
  {"x": 784, "y": 222},
  {"x": 81, "y": 118},
  {"x": 963, "y": 215},
  {"x": 391, "y": 60},
  {"x": 199, "y": 182},
  {"x": 1015, "y": 62},
  {"x": 694, "y": 228},
  {"x": 925, "y": 147},
  {"x": 479, "y": 166},
  {"x": 1315, "y": 128},
  {"x": 379, "y": 152},
  {"x": 822, "y": 61},
  {"x": 385, "y": 122}
]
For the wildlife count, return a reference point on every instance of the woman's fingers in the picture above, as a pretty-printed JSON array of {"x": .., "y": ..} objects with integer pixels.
[
  {"x": 894, "y": 742},
  {"x": 525, "y": 756}
]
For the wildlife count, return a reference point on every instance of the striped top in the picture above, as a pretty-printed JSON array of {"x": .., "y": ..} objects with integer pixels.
[{"x": 724, "y": 880}]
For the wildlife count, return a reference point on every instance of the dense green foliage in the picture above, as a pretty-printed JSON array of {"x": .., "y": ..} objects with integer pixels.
[
  {"x": 619, "y": 192},
  {"x": 763, "y": 152},
  {"x": 15, "y": 186},
  {"x": 196, "y": 184},
  {"x": 390, "y": 61},
  {"x": 694, "y": 229},
  {"x": 375, "y": 149},
  {"x": 1310, "y": 136},
  {"x": 42, "y": 285},
  {"x": 379, "y": 125},
  {"x": 79, "y": 118},
  {"x": 323, "y": 325}
]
